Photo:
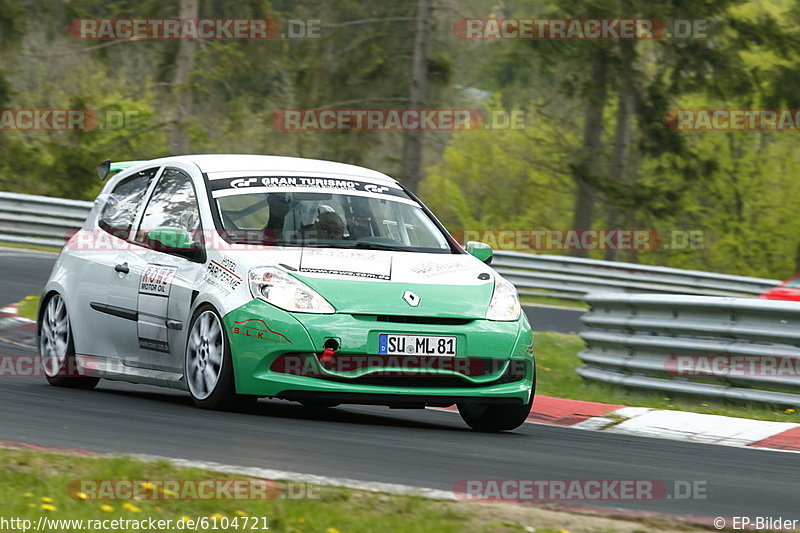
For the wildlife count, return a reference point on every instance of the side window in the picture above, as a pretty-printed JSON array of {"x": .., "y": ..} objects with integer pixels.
[
  {"x": 123, "y": 202},
  {"x": 172, "y": 205}
]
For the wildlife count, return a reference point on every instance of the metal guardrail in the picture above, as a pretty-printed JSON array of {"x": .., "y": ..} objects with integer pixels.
[
  {"x": 42, "y": 220},
  {"x": 732, "y": 348},
  {"x": 574, "y": 277}
]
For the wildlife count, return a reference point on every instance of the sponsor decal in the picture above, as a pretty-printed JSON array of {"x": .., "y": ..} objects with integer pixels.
[
  {"x": 360, "y": 264},
  {"x": 288, "y": 183},
  {"x": 157, "y": 280},
  {"x": 154, "y": 289},
  {"x": 223, "y": 275},
  {"x": 377, "y": 189},
  {"x": 259, "y": 329},
  {"x": 436, "y": 269},
  {"x": 156, "y": 346}
]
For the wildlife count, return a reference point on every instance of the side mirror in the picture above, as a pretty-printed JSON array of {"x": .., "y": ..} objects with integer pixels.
[
  {"x": 481, "y": 250},
  {"x": 175, "y": 240}
]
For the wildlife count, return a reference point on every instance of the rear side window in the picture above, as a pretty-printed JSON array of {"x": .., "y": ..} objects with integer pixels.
[
  {"x": 173, "y": 204},
  {"x": 119, "y": 210}
]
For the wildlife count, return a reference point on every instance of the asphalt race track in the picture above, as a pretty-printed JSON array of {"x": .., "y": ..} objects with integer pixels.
[{"x": 421, "y": 448}]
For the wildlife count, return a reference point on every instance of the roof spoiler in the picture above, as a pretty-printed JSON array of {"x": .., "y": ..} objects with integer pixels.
[{"x": 107, "y": 167}]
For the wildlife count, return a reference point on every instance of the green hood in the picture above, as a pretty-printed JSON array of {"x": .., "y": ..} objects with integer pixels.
[{"x": 386, "y": 297}]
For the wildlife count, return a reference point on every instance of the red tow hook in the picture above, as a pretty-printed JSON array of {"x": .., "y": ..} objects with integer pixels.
[
  {"x": 327, "y": 355},
  {"x": 330, "y": 349}
]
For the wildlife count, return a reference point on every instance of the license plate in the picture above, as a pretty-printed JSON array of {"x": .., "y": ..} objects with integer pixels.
[{"x": 436, "y": 345}]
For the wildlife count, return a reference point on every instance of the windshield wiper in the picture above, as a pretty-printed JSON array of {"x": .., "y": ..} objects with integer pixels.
[
  {"x": 378, "y": 246},
  {"x": 353, "y": 245}
]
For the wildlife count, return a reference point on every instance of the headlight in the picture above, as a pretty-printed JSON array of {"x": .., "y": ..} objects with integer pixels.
[
  {"x": 274, "y": 285},
  {"x": 505, "y": 301}
]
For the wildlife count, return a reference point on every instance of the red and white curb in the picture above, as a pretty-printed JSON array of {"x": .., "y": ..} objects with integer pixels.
[
  {"x": 15, "y": 329},
  {"x": 678, "y": 425}
]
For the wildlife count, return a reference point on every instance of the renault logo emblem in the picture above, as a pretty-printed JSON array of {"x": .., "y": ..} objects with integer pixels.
[{"x": 411, "y": 298}]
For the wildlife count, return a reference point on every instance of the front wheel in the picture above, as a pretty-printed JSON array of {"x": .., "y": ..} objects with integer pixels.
[
  {"x": 497, "y": 417},
  {"x": 57, "y": 348},
  {"x": 209, "y": 366}
]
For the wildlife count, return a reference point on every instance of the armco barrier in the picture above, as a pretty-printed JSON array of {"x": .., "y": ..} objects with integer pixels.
[
  {"x": 43, "y": 220},
  {"x": 31, "y": 219},
  {"x": 732, "y": 348},
  {"x": 574, "y": 277}
]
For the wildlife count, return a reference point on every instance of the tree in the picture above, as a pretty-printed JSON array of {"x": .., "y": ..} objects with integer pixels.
[
  {"x": 182, "y": 90},
  {"x": 412, "y": 139}
]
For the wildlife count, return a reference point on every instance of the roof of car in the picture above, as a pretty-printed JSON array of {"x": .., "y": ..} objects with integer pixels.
[{"x": 271, "y": 163}]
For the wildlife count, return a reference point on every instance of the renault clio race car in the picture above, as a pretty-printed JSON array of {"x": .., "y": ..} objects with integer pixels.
[{"x": 235, "y": 277}]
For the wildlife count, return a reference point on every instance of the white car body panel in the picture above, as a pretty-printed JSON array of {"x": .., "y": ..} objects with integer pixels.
[{"x": 162, "y": 321}]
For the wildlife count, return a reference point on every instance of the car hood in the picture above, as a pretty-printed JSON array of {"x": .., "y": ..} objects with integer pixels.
[{"x": 375, "y": 282}]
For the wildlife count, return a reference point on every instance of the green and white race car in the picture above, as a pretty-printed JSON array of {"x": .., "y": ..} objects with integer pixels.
[{"x": 236, "y": 277}]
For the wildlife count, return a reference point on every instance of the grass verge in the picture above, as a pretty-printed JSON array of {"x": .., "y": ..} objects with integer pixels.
[
  {"x": 28, "y": 307},
  {"x": 39, "y": 247},
  {"x": 37, "y": 484},
  {"x": 550, "y": 300},
  {"x": 557, "y": 359}
]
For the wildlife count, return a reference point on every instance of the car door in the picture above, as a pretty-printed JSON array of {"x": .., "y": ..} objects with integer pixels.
[
  {"x": 162, "y": 278},
  {"x": 103, "y": 263}
]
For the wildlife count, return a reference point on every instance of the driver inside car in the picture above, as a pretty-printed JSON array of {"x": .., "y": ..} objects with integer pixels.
[{"x": 328, "y": 226}]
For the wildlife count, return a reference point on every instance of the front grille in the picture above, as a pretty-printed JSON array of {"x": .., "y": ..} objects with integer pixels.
[
  {"x": 440, "y": 321},
  {"x": 445, "y": 382},
  {"x": 516, "y": 371}
]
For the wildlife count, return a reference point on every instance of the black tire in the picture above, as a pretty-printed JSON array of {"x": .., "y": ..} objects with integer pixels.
[
  {"x": 223, "y": 396},
  {"x": 66, "y": 375},
  {"x": 494, "y": 417}
]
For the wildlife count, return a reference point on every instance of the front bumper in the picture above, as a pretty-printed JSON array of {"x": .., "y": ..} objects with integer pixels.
[{"x": 263, "y": 338}]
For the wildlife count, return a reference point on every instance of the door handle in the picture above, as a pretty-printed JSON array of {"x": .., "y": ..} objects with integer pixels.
[{"x": 122, "y": 268}]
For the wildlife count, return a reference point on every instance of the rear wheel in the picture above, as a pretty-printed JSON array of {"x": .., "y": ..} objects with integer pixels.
[
  {"x": 209, "y": 367},
  {"x": 57, "y": 348},
  {"x": 494, "y": 417}
]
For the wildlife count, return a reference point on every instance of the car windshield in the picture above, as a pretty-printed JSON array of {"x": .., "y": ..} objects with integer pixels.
[{"x": 326, "y": 214}]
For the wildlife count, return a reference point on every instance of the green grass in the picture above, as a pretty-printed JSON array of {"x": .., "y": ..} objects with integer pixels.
[
  {"x": 552, "y": 300},
  {"x": 24, "y": 246},
  {"x": 28, "y": 307},
  {"x": 38, "y": 483},
  {"x": 557, "y": 359}
]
